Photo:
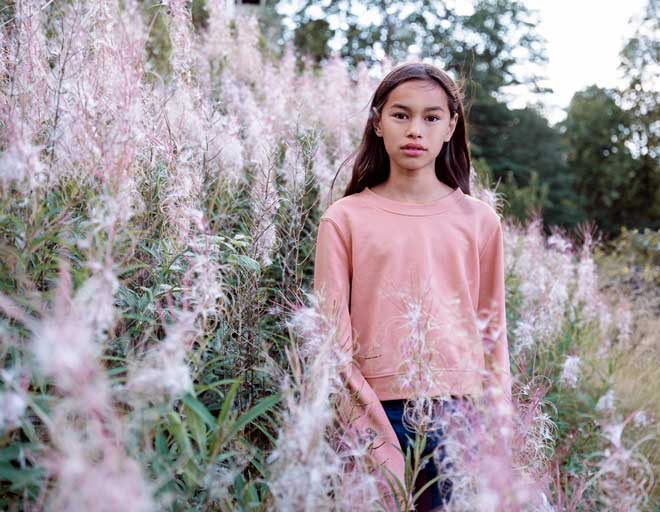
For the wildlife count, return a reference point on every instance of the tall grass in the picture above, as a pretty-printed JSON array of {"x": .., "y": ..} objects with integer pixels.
[{"x": 161, "y": 188}]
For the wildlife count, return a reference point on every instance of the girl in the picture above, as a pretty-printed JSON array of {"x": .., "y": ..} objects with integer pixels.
[{"x": 411, "y": 267}]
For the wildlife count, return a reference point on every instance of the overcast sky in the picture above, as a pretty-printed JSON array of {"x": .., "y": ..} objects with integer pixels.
[{"x": 584, "y": 38}]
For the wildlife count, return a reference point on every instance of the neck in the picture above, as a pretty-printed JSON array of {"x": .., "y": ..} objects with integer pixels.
[{"x": 418, "y": 186}]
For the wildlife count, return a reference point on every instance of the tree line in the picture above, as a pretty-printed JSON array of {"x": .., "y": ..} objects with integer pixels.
[{"x": 601, "y": 163}]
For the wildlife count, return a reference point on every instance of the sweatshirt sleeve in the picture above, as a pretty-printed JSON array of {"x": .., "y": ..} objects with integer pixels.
[
  {"x": 492, "y": 307},
  {"x": 332, "y": 280}
]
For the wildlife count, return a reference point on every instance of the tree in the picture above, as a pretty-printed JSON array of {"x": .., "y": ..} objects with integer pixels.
[
  {"x": 483, "y": 45},
  {"x": 530, "y": 157},
  {"x": 640, "y": 62},
  {"x": 596, "y": 133}
]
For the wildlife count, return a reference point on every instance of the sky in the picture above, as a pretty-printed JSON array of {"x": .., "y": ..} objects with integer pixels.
[
  {"x": 583, "y": 41},
  {"x": 584, "y": 38}
]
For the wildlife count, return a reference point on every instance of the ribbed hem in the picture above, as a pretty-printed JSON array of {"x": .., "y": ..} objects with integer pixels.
[
  {"x": 441, "y": 205},
  {"x": 448, "y": 383}
]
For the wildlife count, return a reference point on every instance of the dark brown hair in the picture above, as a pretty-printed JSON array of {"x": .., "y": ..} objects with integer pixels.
[{"x": 372, "y": 163}]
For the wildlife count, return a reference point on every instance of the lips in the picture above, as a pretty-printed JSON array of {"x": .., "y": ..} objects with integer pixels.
[{"x": 413, "y": 149}]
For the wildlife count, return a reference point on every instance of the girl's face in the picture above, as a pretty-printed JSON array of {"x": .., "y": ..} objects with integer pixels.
[{"x": 414, "y": 124}]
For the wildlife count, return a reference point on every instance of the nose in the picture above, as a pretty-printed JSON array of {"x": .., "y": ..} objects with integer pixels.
[{"x": 414, "y": 129}]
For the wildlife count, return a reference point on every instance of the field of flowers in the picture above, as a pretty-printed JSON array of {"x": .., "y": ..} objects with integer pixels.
[{"x": 161, "y": 349}]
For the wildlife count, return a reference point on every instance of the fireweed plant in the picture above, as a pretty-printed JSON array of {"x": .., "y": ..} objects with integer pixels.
[{"x": 160, "y": 180}]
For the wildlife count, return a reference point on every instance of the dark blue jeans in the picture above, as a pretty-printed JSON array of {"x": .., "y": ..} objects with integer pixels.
[{"x": 439, "y": 493}]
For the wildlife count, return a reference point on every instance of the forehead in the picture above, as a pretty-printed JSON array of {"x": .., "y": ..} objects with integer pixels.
[{"x": 418, "y": 93}]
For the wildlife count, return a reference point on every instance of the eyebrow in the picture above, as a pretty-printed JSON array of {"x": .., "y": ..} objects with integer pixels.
[{"x": 403, "y": 107}]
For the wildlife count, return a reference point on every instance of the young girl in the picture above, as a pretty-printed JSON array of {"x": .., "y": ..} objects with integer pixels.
[{"x": 408, "y": 246}]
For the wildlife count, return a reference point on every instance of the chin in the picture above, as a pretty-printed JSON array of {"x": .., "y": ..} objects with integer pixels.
[
  {"x": 411, "y": 169},
  {"x": 412, "y": 166}
]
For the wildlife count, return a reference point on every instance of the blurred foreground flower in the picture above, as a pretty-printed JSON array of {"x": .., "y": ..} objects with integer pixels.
[{"x": 163, "y": 374}]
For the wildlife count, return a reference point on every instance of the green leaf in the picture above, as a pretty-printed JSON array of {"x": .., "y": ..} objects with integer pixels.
[
  {"x": 247, "y": 262},
  {"x": 161, "y": 442},
  {"x": 226, "y": 405},
  {"x": 200, "y": 410},
  {"x": 20, "y": 478},
  {"x": 130, "y": 269},
  {"x": 200, "y": 388},
  {"x": 10, "y": 453},
  {"x": 259, "y": 408},
  {"x": 175, "y": 426},
  {"x": 266, "y": 433},
  {"x": 198, "y": 430}
]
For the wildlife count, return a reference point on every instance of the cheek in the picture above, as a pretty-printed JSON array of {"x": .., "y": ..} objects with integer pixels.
[
  {"x": 389, "y": 133},
  {"x": 391, "y": 141}
]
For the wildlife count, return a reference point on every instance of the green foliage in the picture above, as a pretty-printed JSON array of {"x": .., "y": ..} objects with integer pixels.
[
  {"x": 434, "y": 27},
  {"x": 313, "y": 37},
  {"x": 640, "y": 251},
  {"x": 640, "y": 58},
  {"x": 194, "y": 440},
  {"x": 631, "y": 261},
  {"x": 525, "y": 153},
  {"x": 414, "y": 462},
  {"x": 158, "y": 47},
  {"x": 180, "y": 442},
  {"x": 199, "y": 14},
  {"x": 596, "y": 131}
]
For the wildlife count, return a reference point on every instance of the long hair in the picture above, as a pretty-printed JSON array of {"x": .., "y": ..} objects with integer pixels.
[{"x": 372, "y": 163}]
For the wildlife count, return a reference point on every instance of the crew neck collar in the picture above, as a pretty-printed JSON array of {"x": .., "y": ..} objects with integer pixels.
[{"x": 391, "y": 205}]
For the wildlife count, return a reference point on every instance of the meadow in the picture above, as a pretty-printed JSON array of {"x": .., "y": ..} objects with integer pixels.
[{"x": 161, "y": 347}]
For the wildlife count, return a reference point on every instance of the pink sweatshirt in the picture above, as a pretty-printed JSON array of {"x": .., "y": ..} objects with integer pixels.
[{"x": 411, "y": 284}]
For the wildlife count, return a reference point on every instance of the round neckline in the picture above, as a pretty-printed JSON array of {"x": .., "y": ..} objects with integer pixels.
[{"x": 392, "y": 205}]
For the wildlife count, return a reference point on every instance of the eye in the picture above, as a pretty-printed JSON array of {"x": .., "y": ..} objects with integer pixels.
[
  {"x": 433, "y": 119},
  {"x": 397, "y": 114}
]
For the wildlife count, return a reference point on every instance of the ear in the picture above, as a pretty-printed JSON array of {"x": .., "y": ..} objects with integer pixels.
[
  {"x": 452, "y": 127},
  {"x": 376, "y": 122}
]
